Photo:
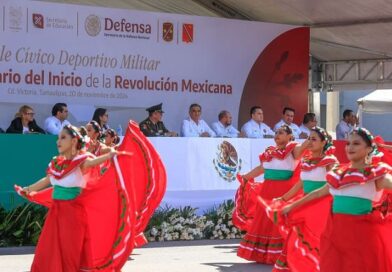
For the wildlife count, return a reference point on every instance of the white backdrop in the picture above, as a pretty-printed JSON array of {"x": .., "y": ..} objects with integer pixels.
[{"x": 91, "y": 46}]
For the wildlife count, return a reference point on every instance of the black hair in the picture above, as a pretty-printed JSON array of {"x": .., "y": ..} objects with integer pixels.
[
  {"x": 347, "y": 113},
  {"x": 288, "y": 109},
  {"x": 308, "y": 117},
  {"x": 58, "y": 107},
  {"x": 286, "y": 128},
  {"x": 222, "y": 114},
  {"x": 83, "y": 131},
  {"x": 113, "y": 134},
  {"x": 324, "y": 136},
  {"x": 253, "y": 109},
  {"x": 194, "y": 105},
  {"x": 99, "y": 112},
  {"x": 75, "y": 133},
  {"x": 96, "y": 126},
  {"x": 365, "y": 135}
]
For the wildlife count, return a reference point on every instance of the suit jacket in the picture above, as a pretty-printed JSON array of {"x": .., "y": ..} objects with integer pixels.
[{"x": 17, "y": 127}]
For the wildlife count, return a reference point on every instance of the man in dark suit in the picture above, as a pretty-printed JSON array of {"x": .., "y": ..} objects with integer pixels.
[{"x": 152, "y": 126}]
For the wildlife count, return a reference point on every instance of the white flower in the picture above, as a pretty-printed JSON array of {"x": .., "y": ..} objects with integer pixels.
[
  {"x": 167, "y": 237},
  {"x": 154, "y": 231}
]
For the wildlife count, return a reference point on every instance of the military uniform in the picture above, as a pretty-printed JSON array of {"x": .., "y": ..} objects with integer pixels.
[{"x": 149, "y": 128}]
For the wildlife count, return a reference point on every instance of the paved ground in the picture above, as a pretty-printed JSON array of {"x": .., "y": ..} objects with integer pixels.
[{"x": 195, "y": 256}]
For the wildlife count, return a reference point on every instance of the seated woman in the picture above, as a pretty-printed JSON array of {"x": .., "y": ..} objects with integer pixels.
[
  {"x": 24, "y": 122},
  {"x": 101, "y": 116}
]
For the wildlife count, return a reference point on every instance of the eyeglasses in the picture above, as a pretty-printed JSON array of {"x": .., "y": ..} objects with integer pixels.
[{"x": 30, "y": 113}]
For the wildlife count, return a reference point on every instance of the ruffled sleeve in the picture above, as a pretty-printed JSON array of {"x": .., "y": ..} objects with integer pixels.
[
  {"x": 343, "y": 175},
  {"x": 59, "y": 166},
  {"x": 308, "y": 163},
  {"x": 274, "y": 152}
]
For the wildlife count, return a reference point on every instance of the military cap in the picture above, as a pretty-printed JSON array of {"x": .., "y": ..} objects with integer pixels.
[{"x": 155, "y": 108}]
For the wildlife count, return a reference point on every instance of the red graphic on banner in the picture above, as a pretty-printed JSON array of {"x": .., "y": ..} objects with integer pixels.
[
  {"x": 167, "y": 32},
  {"x": 187, "y": 33},
  {"x": 279, "y": 78},
  {"x": 38, "y": 20}
]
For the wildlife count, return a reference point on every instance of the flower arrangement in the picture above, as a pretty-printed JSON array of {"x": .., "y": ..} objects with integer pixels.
[
  {"x": 169, "y": 224},
  {"x": 22, "y": 225}
]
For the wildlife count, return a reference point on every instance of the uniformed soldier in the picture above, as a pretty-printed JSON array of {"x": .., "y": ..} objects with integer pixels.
[{"x": 153, "y": 126}]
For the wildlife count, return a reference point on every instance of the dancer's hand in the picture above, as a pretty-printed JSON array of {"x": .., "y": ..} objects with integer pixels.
[
  {"x": 27, "y": 191},
  {"x": 286, "y": 210},
  {"x": 279, "y": 199},
  {"x": 245, "y": 177}
]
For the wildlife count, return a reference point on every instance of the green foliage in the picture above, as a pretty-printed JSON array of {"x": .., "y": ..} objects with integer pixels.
[{"x": 21, "y": 226}]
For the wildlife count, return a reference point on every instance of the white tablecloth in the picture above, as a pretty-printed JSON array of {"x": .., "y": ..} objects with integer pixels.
[{"x": 199, "y": 173}]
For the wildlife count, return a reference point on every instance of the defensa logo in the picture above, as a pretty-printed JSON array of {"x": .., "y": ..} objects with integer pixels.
[
  {"x": 92, "y": 25},
  {"x": 114, "y": 28},
  {"x": 124, "y": 26},
  {"x": 227, "y": 163}
]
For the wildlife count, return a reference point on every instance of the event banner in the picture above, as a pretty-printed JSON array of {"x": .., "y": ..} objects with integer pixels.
[{"x": 123, "y": 59}]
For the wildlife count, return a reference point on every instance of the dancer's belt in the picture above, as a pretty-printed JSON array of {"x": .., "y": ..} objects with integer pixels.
[
  {"x": 351, "y": 205},
  {"x": 274, "y": 174},
  {"x": 65, "y": 193},
  {"x": 311, "y": 185}
]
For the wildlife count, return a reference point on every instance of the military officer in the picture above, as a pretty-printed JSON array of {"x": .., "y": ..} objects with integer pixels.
[{"x": 153, "y": 126}]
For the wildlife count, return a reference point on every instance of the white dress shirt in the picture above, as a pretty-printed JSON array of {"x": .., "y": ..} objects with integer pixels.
[
  {"x": 222, "y": 131},
  {"x": 252, "y": 129},
  {"x": 294, "y": 128},
  {"x": 343, "y": 129},
  {"x": 53, "y": 125},
  {"x": 304, "y": 129},
  {"x": 191, "y": 129}
]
